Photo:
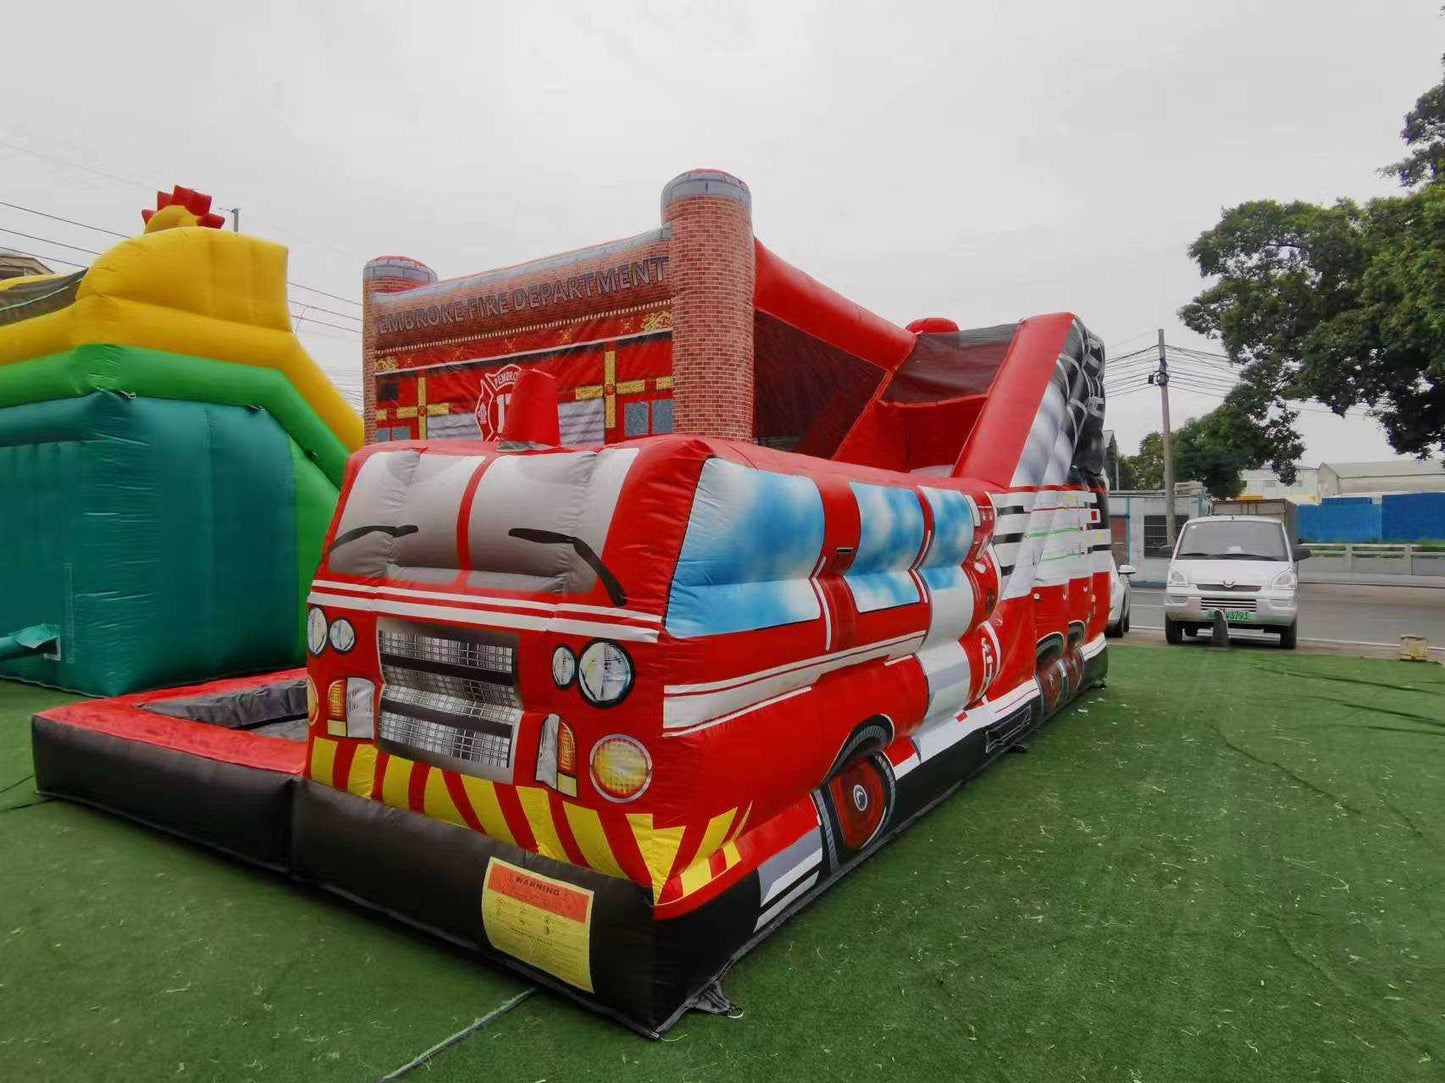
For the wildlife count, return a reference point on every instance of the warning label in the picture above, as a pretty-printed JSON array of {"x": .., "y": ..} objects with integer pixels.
[{"x": 541, "y": 921}]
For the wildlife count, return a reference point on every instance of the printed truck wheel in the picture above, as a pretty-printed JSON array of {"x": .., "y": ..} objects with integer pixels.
[{"x": 860, "y": 797}]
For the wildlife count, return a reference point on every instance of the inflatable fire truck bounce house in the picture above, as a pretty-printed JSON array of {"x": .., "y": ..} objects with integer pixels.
[
  {"x": 673, "y": 585},
  {"x": 169, "y": 460}
]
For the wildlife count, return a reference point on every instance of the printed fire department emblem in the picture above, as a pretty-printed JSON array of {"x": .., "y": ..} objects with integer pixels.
[{"x": 496, "y": 392}]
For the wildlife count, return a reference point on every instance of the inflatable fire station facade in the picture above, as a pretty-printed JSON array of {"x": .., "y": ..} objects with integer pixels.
[{"x": 610, "y": 697}]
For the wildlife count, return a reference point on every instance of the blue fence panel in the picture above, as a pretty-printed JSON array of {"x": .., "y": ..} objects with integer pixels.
[
  {"x": 1407, "y": 517},
  {"x": 1347, "y": 520}
]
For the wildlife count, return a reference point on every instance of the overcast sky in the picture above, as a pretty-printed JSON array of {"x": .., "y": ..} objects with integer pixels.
[{"x": 983, "y": 161}]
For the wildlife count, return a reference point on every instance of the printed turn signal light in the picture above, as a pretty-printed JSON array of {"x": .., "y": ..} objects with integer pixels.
[
  {"x": 621, "y": 768},
  {"x": 336, "y": 709},
  {"x": 566, "y": 749}
]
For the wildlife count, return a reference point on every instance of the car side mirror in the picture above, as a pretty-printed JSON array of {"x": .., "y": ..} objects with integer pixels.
[
  {"x": 1301, "y": 553},
  {"x": 1126, "y": 569}
]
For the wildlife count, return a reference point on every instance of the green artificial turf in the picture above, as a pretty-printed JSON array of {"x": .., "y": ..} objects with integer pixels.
[{"x": 1222, "y": 867}]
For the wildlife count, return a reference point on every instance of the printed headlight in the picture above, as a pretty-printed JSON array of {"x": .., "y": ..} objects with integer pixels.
[
  {"x": 342, "y": 635},
  {"x": 564, "y": 667},
  {"x": 621, "y": 767},
  {"x": 1285, "y": 580},
  {"x": 316, "y": 630},
  {"x": 604, "y": 673},
  {"x": 1178, "y": 579}
]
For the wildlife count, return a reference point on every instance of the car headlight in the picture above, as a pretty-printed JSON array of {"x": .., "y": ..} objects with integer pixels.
[
  {"x": 621, "y": 767},
  {"x": 1177, "y": 579},
  {"x": 316, "y": 630},
  {"x": 1285, "y": 580},
  {"x": 342, "y": 635},
  {"x": 604, "y": 673}
]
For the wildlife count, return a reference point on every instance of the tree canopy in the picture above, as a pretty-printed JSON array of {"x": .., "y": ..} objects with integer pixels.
[{"x": 1344, "y": 304}]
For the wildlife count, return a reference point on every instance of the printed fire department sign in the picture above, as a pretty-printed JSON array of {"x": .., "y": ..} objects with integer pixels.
[
  {"x": 539, "y": 920},
  {"x": 496, "y": 392}
]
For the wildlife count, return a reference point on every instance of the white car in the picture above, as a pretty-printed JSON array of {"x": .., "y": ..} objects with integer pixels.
[
  {"x": 1240, "y": 565},
  {"x": 1119, "y": 601}
]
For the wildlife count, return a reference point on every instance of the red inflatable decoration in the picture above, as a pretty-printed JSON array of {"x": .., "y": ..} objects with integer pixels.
[{"x": 611, "y": 710}]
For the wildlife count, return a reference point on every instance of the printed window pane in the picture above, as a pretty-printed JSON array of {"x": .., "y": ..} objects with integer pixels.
[
  {"x": 635, "y": 419},
  {"x": 662, "y": 415}
]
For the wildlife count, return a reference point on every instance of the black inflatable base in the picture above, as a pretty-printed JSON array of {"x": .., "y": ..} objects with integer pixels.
[{"x": 646, "y": 973}]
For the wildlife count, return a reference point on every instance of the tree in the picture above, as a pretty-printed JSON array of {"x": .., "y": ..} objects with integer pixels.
[
  {"x": 1344, "y": 304},
  {"x": 1425, "y": 131},
  {"x": 1214, "y": 449}
]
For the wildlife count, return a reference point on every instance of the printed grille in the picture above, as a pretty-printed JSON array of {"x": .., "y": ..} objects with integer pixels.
[
  {"x": 449, "y": 697},
  {"x": 1250, "y": 604},
  {"x": 1245, "y": 588},
  {"x": 420, "y": 736}
]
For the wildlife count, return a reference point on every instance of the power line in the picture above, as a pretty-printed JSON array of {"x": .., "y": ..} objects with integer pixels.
[
  {"x": 323, "y": 293},
  {"x": 49, "y": 259},
  {"x": 67, "y": 221},
  {"x": 127, "y": 236},
  {"x": 47, "y": 240},
  {"x": 323, "y": 323},
  {"x": 329, "y": 311}
]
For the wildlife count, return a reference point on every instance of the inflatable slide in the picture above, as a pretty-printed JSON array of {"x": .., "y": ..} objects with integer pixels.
[{"x": 169, "y": 460}]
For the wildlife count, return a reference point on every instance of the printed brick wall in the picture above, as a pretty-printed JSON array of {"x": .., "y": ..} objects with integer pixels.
[
  {"x": 386, "y": 274},
  {"x": 712, "y": 271}
]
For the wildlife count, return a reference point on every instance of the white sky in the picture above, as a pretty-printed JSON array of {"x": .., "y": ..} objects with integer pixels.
[{"x": 982, "y": 161}]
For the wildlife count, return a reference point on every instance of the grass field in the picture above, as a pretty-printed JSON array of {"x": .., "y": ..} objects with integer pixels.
[{"x": 1222, "y": 867}]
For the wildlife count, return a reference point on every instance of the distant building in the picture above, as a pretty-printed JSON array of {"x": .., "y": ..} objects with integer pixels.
[
  {"x": 19, "y": 265},
  {"x": 1401, "y": 475},
  {"x": 1266, "y": 485},
  {"x": 1139, "y": 527}
]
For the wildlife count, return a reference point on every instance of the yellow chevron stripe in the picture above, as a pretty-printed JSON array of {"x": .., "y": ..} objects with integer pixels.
[
  {"x": 363, "y": 771},
  {"x": 743, "y": 822},
  {"x": 437, "y": 801},
  {"x": 695, "y": 876},
  {"x": 731, "y": 855},
  {"x": 483, "y": 796},
  {"x": 396, "y": 785},
  {"x": 323, "y": 759},
  {"x": 592, "y": 840},
  {"x": 717, "y": 829},
  {"x": 539, "y": 815},
  {"x": 659, "y": 847}
]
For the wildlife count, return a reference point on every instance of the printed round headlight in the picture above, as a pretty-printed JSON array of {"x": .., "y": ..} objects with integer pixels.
[
  {"x": 316, "y": 630},
  {"x": 604, "y": 673},
  {"x": 343, "y": 635},
  {"x": 621, "y": 767},
  {"x": 564, "y": 667}
]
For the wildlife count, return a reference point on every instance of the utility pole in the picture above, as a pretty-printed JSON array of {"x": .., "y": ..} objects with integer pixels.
[{"x": 1161, "y": 377}]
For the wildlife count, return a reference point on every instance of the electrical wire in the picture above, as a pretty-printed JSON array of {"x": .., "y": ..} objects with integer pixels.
[
  {"x": 49, "y": 259},
  {"x": 47, "y": 240},
  {"x": 127, "y": 236}
]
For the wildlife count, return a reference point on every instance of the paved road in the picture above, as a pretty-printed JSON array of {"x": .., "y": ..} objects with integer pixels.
[{"x": 1337, "y": 617}]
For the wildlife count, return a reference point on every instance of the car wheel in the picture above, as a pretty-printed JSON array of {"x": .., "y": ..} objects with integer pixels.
[
  {"x": 1172, "y": 632},
  {"x": 1124, "y": 624},
  {"x": 1287, "y": 635}
]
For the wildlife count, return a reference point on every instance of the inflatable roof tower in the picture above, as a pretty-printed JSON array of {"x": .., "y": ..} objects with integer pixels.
[{"x": 169, "y": 460}]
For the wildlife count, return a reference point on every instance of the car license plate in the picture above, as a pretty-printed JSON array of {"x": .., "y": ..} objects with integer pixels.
[{"x": 1237, "y": 614}]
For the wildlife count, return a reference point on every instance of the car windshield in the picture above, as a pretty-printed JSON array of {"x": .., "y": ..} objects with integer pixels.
[{"x": 1232, "y": 539}]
